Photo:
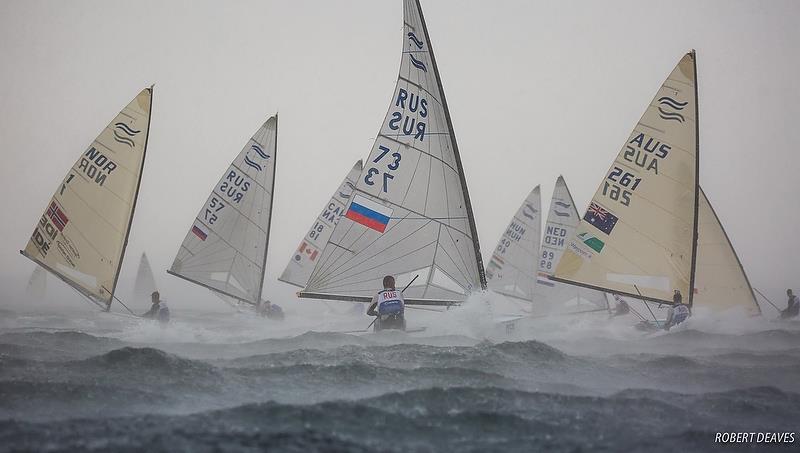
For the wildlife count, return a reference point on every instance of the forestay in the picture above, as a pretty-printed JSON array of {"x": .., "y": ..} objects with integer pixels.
[
  {"x": 720, "y": 282},
  {"x": 639, "y": 232},
  {"x": 81, "y": 236},
  {"x": 225, "y": 249},
  {"x": 145, "y": 282},
  {"x": 512, "y": 268},
  {"x": 305, "y": 257},
  {"x": 562, "y": 220},
  {"x": 410, "y": 213}
]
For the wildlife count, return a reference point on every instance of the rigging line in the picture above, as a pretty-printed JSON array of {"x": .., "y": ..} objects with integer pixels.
[
  {"x": 366, "y": 247},
  {"x": 123, "y": 304},
  {"x": 648, "y": 306},
  {"x": 465, "y": 271},
  {"x": 344, "y": 276},
  {"x": 765, "y": 298}
]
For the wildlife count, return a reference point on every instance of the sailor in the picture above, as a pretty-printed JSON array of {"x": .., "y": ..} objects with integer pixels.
[
  {"x": 269, "y": 310},
  {"x": 621, "y": 308},
  {"x": 678, "y": 313},
  {"x": 388, "y": 306},
  {"x": 159, "y": 310},
  {"x": 792, "y": 306}
]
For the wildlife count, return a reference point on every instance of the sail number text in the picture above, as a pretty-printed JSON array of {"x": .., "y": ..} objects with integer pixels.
[{"x": 392, "y": 163}]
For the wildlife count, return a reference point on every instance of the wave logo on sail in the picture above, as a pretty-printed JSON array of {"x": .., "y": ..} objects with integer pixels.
[
  {"x": 560, "y": 214},
  {"x": 348, "y": 191},
  {"x": 250, "y": 162},
  {"x": 561, "y": 204},
  {"x": 668, "y": 102},
  {"x": 531, "y": 213},
  {"x": 124, "y": 134},
  {"x": 413, "y": 38},
  {"x": 417, "y": 63}
]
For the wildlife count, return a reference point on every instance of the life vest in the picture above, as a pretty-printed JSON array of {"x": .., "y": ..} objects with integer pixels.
[
  {"x": 390, "y": 302},
  {"x": 680, "y": 314}
]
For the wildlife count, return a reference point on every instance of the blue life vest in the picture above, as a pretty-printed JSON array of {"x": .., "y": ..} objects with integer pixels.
[{"x": 680, "y": 314}]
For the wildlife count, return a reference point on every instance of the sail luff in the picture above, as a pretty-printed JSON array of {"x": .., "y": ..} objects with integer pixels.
[
  {"x": 135, "y": 198},
  {"x": 696, "y": 181},
  {"x": 456, "y": 154},
  {"x": 269, "y": 214}
]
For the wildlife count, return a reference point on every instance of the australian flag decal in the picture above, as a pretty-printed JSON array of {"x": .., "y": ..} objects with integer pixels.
[{"x": 600, "y": 218}]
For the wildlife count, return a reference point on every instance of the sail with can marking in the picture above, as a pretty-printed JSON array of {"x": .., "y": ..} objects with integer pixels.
[
  {"x": 511, "y": 270},
  {"x": 225, "y": 249},
  {"x": 299, "y": 268},
  {"x": 410, "y": 214},
  {"x": 721, "y": 282},
  {"x": 145, "y": 282},
  {"x": 639, "y": 234},
  {"x": 82, "y": 235},
  {"x": 562, "y": 220}
]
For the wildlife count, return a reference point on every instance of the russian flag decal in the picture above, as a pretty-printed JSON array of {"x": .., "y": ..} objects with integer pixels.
[{"x": 369, "y": 213}]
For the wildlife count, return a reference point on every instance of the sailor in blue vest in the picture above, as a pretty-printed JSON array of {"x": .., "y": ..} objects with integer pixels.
[
  {"x": 269, "y": 310},
  {"x": 678, "y": 313},
  {"x": 159, "y": 310},
  {"x": 389, "y": 307}
]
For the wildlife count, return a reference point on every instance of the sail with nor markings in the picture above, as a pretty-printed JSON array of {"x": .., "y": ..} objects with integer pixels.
[
  {"x": 410, "y": 214},
  {"x": 82, "y": 235},
  {"x": 225, "y": 249}
]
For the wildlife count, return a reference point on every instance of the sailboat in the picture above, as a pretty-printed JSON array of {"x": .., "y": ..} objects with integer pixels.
[
  {"x": 225, "y": 249},
  {"x": 37, "y": 284},
  {"x": 552, "y": 297},
  {"x": 638, "y": 237},
  {"x": 721, "y": 282},
  {"x": 410, "y": 215},
  {"x": 82, "y": 235},
  {"x": 512, "y": 267},
  {"x": 299, "y": 268},
  {"x": 145, "y": 282}
]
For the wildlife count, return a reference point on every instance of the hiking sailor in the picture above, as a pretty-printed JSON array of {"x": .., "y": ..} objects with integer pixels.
[
  {"x": 678, "y": 312},
  {"x": 792, "y": 306},
  {"x": 159, "y": 310},
  {"x": 388, "y": 306}
]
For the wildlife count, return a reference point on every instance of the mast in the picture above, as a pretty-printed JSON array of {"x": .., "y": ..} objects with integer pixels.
[
  {"x": 269, "y": 217},
  {"x": 696, "y": 179},
  {"x": 135, "y": 199},
  {"x": 456, "y": 154}
]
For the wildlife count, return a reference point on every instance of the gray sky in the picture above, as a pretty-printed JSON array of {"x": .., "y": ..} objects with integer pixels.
[{"x": 536, "y": 89}]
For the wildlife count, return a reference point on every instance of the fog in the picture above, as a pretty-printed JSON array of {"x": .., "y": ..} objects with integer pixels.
[{"x": 535, "y": 89}]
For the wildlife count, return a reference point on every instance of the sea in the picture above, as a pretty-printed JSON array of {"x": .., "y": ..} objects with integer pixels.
[{"x": 469, "y": 379}]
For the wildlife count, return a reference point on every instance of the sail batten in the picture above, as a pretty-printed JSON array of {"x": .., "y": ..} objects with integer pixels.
[
  {"x": 410, "y": 212},
  {"x": 82, "y": 236},
  {"x": 639, "y": 234},
  {"x": 226, "y": 246}
]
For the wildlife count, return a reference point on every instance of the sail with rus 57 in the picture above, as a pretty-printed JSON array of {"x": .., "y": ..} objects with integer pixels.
[
  {"x": 225, "y": 249},
  {"x": 82, "y": 235},
  {"x": 410, "y": 214},
  {"x": 639, "y": 235}
]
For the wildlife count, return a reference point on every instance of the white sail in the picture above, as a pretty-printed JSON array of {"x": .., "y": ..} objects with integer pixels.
[
  {"x": 511, "y": 270},
  {"x": 37, "y": 284},
  {"x": 410, "y": 214},
  {"x": 562, "y": 220},
  {"x": 225, "y": 249},
  {"x": 81, "y": 236},
  {"x": 720, "y": 281},
  {"x": 639, "y": 233},
  {"x": 299, "y": 268},
  {"x": 145, "y": 282}
]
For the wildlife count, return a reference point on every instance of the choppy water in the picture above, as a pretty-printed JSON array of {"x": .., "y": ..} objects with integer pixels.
[{"x": 235, "y": 382}]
